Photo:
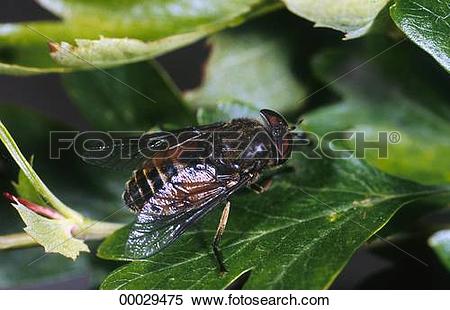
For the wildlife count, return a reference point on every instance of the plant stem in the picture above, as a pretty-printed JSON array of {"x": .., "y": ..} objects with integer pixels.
[
  {"x": 89, "y": 231},
  {"x": 92, "y": 230},
  {"x": 38, "y": 184},
  {"x": 17, "y": 240}
]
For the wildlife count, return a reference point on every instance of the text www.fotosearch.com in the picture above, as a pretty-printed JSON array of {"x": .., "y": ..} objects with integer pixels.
[{"x": 241, "y": 300}]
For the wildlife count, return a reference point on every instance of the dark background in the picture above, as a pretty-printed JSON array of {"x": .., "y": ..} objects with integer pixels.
[{"x": 45, "y": 93}]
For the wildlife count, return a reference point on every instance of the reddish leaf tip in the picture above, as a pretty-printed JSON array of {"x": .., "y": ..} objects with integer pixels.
[
  {"x": 9, "y": 196},
  {"x": 53, "y": 47},
  {"x": 47, "y": 212}
]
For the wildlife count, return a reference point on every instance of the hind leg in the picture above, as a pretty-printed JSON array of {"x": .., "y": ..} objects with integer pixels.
[{"x": 218, "y": 236}]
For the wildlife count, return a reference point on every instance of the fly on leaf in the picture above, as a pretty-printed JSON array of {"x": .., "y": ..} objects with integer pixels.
[{"x": 182, "y": 175}]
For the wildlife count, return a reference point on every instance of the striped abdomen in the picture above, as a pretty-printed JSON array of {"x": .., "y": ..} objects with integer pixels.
[{"x": 146, "y": 182}]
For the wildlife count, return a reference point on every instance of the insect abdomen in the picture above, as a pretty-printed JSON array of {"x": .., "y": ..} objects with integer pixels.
[{"x": 145, "y": 183}]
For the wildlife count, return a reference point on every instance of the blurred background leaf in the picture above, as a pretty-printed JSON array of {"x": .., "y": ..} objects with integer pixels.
[
  {"x": 140, "y": 96},
  {"x": 226, "y": 110},
  {"x": 54, "y": 271},
  {"x": 254, "y": 64},
  {"x": 374, "y": 101}
]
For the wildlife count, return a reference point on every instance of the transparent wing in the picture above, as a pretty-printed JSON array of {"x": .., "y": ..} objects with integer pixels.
[{"x": 150, "y": 234}]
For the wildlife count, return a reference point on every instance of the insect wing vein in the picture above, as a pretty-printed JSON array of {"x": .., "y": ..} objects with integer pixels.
[{"x": 150, "y": 234}]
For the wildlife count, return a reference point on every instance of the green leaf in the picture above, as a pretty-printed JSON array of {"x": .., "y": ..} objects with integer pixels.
[
  {"x": 133, "y": 97},
  {"x": 109, "y": 33},
  {"x": 226, "y": 111},
  {"x": 426, "y": 23},
  {"x": 254, "y": 64},
  {"x": 353, "y": 17},
  {"x": 156, "y": 17},
  {"x": 110, "y": 52},
  {"x": 373, "y": 102},
  {"x": 412, "y": 223},
  {"x": 54, "y": 235},
  {"x": 25, "y": 189},
  {"x": 298, "y": 235},
  {"x": 440, "y": 243}
]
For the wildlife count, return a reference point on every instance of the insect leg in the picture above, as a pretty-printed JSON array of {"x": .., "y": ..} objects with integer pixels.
[
  {"x": 262, "y": 187},
  {"x": 218, "y": 236}
]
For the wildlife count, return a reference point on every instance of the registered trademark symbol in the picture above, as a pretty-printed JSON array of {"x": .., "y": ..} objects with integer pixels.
[{"x": 394, "y": 137}]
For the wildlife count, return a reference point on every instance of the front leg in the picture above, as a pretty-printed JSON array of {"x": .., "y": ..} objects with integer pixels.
[{"x": 262, "y": 187}]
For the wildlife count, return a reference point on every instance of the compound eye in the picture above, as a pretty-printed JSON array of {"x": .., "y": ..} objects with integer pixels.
[
  {"x": 277, "y": 132},
  {"x": 273, "y": 119}
]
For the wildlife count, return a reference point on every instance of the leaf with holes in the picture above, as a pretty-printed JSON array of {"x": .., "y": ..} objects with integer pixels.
[
  {"x": 129, "y": 31},
  {"x": 298, "y": 235}
]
